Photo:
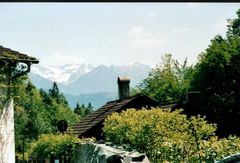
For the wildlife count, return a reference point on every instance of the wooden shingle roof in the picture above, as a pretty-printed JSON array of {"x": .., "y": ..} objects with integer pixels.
[
  {"x": 97, "y": 117},
  {"x": 7, "y": 54}
]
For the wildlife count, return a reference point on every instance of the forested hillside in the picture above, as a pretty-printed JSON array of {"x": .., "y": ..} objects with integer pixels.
[{"x": 37, "y": 112}]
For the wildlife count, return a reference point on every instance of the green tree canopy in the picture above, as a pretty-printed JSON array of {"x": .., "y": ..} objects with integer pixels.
[
  {"x": 82, "y": 110},
  {"x": 217, "y": 74},
  {"x": 37, "y": 112},
  {"x": 234, "y": 26},
  {"x": 167, "y": 82},
  {"x": 54, "y": 91}
]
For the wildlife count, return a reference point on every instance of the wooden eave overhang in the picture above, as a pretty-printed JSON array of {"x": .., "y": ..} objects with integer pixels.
[{"x": 9, "y": 55}]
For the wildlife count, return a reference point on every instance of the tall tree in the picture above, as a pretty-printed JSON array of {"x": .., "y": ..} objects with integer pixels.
[
  {"x": 54, "y": 91},
  {"x": 167, "y": 82},
  {"x": 77, "y": 109},
  {"x": 217, "y": 74},
  {"x": 90, "y": 107},
  {"x": 36, "y": 112},
  {"x": 234, "y": 26},
  {"x": 82, "y": 110}
]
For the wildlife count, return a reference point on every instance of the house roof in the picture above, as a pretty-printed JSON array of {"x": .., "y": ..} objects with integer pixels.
[
  {"x": 7, "y": 54},
  {"x": 100, "y": 114}
]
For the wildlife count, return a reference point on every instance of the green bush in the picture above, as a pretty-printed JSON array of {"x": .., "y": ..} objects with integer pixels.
[
  {"x": 168, "y": 136},
  {"x": 48, "y": 143}
]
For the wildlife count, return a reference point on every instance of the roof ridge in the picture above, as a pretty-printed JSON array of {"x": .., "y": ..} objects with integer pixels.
[
  {"x": 97, "y": 115},
  {"x": 103, "y": 112},
  {"x": 104, "y": 106}
]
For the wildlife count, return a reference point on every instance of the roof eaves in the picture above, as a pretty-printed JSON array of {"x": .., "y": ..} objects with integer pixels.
[
  {"x": 7, "y": 54},
  {"x": 87, "y": 123}
]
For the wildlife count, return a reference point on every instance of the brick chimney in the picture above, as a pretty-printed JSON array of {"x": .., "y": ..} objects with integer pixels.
[{"x": 123, "y": 87}]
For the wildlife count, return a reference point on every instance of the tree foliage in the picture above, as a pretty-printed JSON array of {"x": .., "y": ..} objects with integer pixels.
[
  {"x": 168, "y": 81},
  {"x": 58, "y": 144},
  {"x": 37, "y": 112},
  {"x": 217, "y": 74},
  {"x": 234, "y": 26},
  {"x": 168, "y": 136},
  {"x": 55, "y": 94},
  {"x": 82, "y": 110}
]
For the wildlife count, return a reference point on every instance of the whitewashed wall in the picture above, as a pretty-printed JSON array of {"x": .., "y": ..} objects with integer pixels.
[{"x": 7, "y": 143}]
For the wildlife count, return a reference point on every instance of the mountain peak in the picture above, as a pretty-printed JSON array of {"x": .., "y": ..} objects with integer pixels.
[
  {"x": 84, "y": 83},
  {"x": 62, "y": 74},
  {"x": 69, "y": 73}
]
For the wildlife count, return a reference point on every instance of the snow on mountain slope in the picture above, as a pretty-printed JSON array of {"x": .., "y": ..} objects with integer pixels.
[
  {"x": 104, "y": 78},
  {"x": 83, "y": 83},
  {"x": 85, "y": 79},
  {"x": 64, "y": 74}
]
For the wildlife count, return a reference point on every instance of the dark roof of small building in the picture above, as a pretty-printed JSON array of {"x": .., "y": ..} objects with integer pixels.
[
  {"x": 100, "y": 114},
  {"x": 7, "y": 54}
]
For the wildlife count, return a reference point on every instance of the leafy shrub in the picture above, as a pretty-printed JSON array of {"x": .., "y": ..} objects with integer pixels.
[
  {"x": 47, "y": 143},
  {"x": 171, "y": 136}
]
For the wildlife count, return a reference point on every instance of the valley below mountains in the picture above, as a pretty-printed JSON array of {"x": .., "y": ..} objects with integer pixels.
[{"x": 84, "y": 83}]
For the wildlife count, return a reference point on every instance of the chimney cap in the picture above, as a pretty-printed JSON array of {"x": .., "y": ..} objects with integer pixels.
[{"x": 123, "y": 79}]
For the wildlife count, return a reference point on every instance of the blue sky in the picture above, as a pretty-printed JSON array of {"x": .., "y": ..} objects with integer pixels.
[{"x": 112, "y": 33}]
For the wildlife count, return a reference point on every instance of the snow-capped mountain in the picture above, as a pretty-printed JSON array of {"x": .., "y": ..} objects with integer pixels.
[
  {"x": 64, "y": 74},
  {"x": 85, "y": 83}
]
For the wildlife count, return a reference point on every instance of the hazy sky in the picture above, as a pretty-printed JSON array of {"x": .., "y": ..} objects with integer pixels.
[{"x": 112, "y": 33}]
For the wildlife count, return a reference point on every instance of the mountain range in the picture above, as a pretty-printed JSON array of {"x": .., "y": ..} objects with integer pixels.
[{"x": 85, "y": 83}]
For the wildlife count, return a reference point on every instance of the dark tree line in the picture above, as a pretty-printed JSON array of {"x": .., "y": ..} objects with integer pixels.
[{"x": 83, "y": 110}]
